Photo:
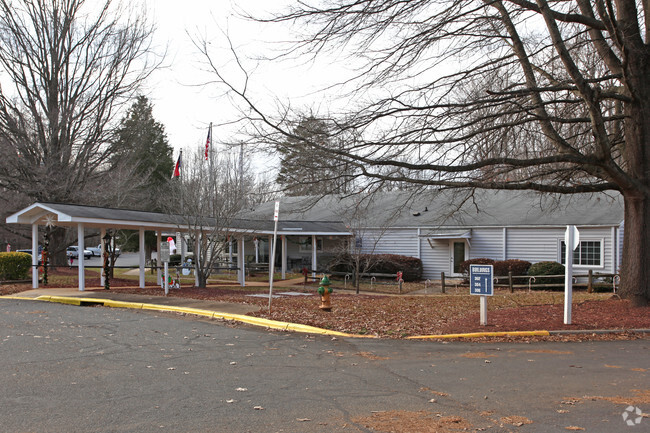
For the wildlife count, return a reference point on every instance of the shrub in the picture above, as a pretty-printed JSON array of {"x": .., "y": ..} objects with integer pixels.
[
  {"x": 411, "y": 267},
  {"x": 464, "y": 266},
  {"x": 15, "y": 266},
  {"x": 547, "y": 268},
  {"x": 517, "y": 267},
  {"x": 174, "y": 259}
]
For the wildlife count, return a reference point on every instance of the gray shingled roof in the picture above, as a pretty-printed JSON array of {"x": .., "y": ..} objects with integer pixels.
[
  {"x": 71, "y": 214},
  {"x": 455, "y": 208}
]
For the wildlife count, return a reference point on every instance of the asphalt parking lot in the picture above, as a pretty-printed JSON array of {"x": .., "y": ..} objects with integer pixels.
[{"x": 82, "y": 369}]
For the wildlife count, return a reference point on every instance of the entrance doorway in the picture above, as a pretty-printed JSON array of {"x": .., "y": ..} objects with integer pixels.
[{"x": 458, "y": 255}]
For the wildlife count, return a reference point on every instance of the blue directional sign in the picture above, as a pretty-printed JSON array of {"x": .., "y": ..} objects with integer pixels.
[{"x": 480, "y": 280}]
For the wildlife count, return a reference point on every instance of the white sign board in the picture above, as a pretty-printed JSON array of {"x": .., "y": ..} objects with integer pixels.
[
  {"x": 164, "y": 252},
  {"x": 576, "y": 237},
  {"x": 276, "y": 212},
  {"x": 480, "y": 277}
]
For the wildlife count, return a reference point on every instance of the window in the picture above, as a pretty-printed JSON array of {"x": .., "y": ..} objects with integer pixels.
[
  {"x": 305, "y": 244},
  {"x": 588, "y": 253}
]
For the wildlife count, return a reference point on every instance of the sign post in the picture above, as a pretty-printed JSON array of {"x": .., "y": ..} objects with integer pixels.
[
  {"x": 276, "y": 217},
  {"x": 481, "y": 283},
  {"x": 164, "y": 256},
  {"x": 571, "y": 242}
]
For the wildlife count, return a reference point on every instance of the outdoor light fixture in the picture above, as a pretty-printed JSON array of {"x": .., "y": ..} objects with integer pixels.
[{"x": 107, "y": 249}]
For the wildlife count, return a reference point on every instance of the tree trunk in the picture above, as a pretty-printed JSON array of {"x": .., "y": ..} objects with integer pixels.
[
  {"x": 635, "y": 270},
  {"x": 57, "y": 247}
]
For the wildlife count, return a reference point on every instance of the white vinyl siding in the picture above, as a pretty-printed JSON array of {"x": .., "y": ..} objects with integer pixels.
[
  {"x": 486, "y": 243},
  {"x": 533, "y": 244},
  {"x": 399, "y": 241},
  {"x": 435, "y": 258}
]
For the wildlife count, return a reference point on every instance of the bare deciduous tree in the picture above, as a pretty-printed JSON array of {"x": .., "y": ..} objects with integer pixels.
[
  {"x": 501, "y": 94},
  {"x": 67, "y": 66},
  {"x": 206, "y": 198}
]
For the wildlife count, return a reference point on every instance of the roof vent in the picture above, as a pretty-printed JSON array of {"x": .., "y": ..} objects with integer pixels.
[{"x": 416, "y": 214}]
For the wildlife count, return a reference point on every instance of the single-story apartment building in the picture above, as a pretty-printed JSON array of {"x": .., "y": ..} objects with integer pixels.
[
  {"x": 440, "y": 227},
  {"x": 445, "y": 227}
]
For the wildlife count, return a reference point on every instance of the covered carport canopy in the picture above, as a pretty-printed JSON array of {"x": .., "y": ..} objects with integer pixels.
[{"x": 102, "y": 218}]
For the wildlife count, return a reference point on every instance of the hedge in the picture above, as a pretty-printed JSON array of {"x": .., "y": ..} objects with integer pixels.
[
  {"x": 464, "y": 266},
  {"x": 15, "y": 266},
  {"x": 411, "y": 267},
  {"x": 547, "y": 268},
  {"x": 501, "y": 267}
]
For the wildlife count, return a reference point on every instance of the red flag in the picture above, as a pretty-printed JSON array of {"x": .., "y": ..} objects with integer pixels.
[
  {"x": 177, "y": 168},
  {"x": 207, "y": 141}
]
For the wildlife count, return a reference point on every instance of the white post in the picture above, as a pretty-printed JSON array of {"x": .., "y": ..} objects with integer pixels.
[
  {"x": 257, "y": 250},
  {"x": 314, "y": 261},
  {"x": 483, "y": 310},
  {"x": 241, "y": 262},
  {"x": 284, "y": 256},
  {"x": 158, "y": 242},
  {"x": 276, "y": 217},
  {"x": 180, "y": 246},
  {"x": 197, "y": 256},
  {"x": 166, "y": 276},
  {"x": 102, "y": 279},
  {"x": 141, "y": 256},
  {"x": 269, "y": 259},
  {"x": 568, "y": 274},
  {"x": 81, "y": 259},
  {"x": 35, "y": 256}
]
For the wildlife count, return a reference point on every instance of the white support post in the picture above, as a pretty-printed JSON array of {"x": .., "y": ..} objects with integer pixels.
[
  {"x": 102, "y": 279},
  {"x": 141, "y": 256},
  {"x": 284, "y": 256},
  {"x": 271, "y": 260},
  {"x": 81, "y": 259},
  {"x": 568, "y": 274},
  {"x": 483, "y": 312},
  {"x": 180, "y": 246},
  {"x": 197, "y": 257},
  {"x": 314, "y": 258},
  {"x": 158, "y": 242},
  {"x": 35, "y": 256},
  {"x": 241, "y": 262}
]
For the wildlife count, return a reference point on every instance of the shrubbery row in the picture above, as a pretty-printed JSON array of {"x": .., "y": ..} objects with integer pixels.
[
  {"x": 15, "y": 266},
  {"x": 518, "y": 268},
  {"x": 411, "y": 267},
  {"x": 501, "y": 267}
]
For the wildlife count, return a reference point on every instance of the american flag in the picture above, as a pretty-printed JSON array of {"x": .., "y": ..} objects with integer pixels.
[
  {"x": 177, "y": 167},
  {"x": 208, "y": 141}
]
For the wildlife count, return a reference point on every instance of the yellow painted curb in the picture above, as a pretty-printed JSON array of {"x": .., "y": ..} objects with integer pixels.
[
  {"x": 22, "y": 298},
  {"x": 257, "y": 321},
  {"x": 483, "y": 334}
]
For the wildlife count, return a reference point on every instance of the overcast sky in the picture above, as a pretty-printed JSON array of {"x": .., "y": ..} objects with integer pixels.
[{"x": 183, "y": 106}]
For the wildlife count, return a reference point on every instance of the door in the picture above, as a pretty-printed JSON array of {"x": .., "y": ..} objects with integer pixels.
[{"x": 458, "y": 252}]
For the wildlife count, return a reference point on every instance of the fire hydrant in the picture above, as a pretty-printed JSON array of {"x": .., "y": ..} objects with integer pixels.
[{"x": 324, "y": 291}]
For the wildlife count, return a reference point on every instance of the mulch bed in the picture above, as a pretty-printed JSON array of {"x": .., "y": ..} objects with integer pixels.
[{"x": 403, "y": 316}]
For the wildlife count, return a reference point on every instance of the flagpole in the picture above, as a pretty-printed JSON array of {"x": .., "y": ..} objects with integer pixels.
[{"x": 180, "y": 172}]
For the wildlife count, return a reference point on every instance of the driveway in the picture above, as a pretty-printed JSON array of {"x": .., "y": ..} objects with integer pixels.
[{"x": 76, "y": 369}]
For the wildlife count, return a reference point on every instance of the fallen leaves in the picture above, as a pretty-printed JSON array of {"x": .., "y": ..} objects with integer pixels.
[
  {"x": 515, "y": 420},
  {"x": 411, "y": 421},
  {"x": 402, "y": 316}
]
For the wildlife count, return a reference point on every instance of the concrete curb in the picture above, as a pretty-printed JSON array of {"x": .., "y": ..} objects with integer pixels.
[
  {"x": 482, "y": 334},
  {"x": 256, "y": 321},
  {"x": 295, "y": 327}
]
